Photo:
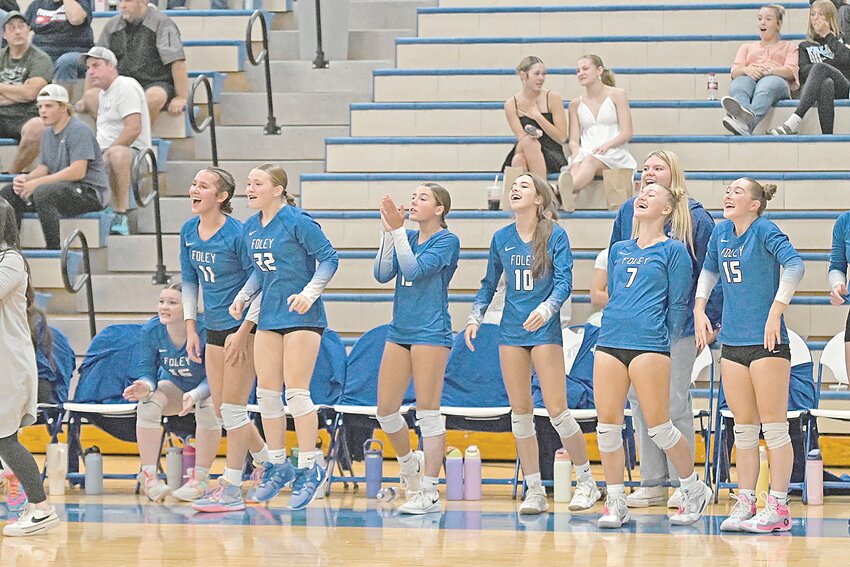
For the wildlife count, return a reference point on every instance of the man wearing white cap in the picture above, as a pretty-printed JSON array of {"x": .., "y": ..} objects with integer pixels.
[
  {"x": 123, "y": 127},
  {"x": 71, "y": 179}
]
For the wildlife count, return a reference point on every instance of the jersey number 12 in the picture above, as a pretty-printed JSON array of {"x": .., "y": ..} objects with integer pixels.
[
  {"x": 733, "y": 271},
  {"x": 523, "y": 280}
]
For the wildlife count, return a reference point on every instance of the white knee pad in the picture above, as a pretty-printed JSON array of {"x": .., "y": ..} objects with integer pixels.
[
  {"x": 234, "y": 416},
  {"x": 776, "y": 434},
  {"x": 299, "y": 402},
  {"x": 565, "y": 424},
  {"x": 665, "y": 436},
  {"x": 522, "y": 425},
  {"x": 148, "y": 415},
  {"x": 391, "y": 423},
  {"x": 609, "y": 437},
  {"x": 205, "y": 416},
  {"x": 430, "y": 423},
  {"x": 271, "y": 403},
  {"x": 747, "y": 435}
]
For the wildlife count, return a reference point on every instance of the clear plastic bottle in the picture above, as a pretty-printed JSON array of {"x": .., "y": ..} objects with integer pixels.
[
  {"x": 387, "y": 494},
  {"x": 712, "y": 86}
]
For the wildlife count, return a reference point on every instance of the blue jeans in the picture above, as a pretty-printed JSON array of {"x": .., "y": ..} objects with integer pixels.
[
  {"x": 759, "y": 96},
  {"x": 68, "y": 68}
]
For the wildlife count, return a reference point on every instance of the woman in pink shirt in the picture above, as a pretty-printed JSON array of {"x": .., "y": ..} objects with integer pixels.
[{"x": 764, "y": 72}]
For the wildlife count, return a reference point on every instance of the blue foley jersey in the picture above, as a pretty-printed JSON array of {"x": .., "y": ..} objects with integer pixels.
[
  {"x": 285, "y": 253},
  {"x": 649, "y": 289},
  {"x": 421, "y": 302},
  {"x": 840, "y": 255},
  {"x": 161, "y": 359},
  {"x": 748, "y": 266},
  {"x": 221, "y": 265},
  {"x": 523, "y": 294}
]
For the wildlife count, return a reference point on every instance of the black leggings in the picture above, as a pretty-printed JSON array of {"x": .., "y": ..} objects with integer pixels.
[
  {"x": 24, "y": 466},
  {"x": 824, "y": 85}
]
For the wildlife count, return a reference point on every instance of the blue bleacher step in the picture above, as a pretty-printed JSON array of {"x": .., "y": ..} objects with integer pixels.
[
  {"x": 636, "y": 7},
  {"x": 42, "y": 300},
  {"x": 46, "y": 265},
  {"x": 216, "y": 81},
  {"x": 103, "y": 218}
]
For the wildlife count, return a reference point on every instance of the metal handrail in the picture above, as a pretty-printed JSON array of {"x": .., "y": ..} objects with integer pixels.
[
  {"x": 271, "y": 127},
  {"x": 83, "y": 279},
  {"x": 319, "y": 62},
  {"x": 148, "y": 156},
  {"x": 209, "y": 121}
]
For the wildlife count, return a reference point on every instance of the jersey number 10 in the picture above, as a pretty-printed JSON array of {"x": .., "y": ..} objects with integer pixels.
[
  {"x": 733, "y": 271},
  {"x": 523, "y": 280}
]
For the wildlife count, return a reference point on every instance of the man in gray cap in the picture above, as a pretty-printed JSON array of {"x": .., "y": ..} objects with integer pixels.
[
  {"x": 123, "y": 126},
  {"x": 24, "y": 70},
  {"x": 71, "y": 179}
]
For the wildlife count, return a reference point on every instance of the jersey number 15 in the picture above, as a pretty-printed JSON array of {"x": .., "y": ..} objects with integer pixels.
[{"x": 732, "y": 270}]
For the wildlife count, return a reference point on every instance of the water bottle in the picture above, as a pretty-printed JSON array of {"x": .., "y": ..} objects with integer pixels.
[
  {"x": 763, "y": 484},
  {"x": 712, "y": 86},
  {"x": 57, "y": 468},
  {"x": 188, "y": 460},
  {"x": 454, "y": 474},
  {"x": 94, "y": 470},
  {"x": 174, "y": 467},
  {"x": 387, "y": 494},
  {"x": 293, "y": 457},
  {"x": 320, "y": 462},
  {"x": 563, "y": 476},
  {"x": 814, "y": 478},
  {"x": 374, "y": 459},
  {"x": 472, "y": 474}
]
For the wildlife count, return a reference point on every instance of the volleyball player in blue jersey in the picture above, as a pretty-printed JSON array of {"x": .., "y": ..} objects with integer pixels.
[
  {"x": 215, "y": 260},
  {"x": 837, "y": 276},
  {"x": 745, "y": 253},
  {"x": 286, "y": 245},
  {"x": 169, "y": 383},
  {"x": 649, "y": 280},
  {"x": 534, "y": 255},
  {"x": 420, "y": 336}
]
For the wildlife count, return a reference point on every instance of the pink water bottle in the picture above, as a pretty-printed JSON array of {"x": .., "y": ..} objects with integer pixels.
[
  {"x": 814, "y": 478},
  {"x": 454, "y": 474},
  {"x": 188, "y": 460},
  {"x": 472, "y": 473}
]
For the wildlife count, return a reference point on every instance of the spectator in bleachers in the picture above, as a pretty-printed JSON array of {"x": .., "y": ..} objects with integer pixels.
[
  {"x": 123, "y": 127},
  {"x": 764, "y": 72},
  {"x": 62, "y": 28},
  {"x": 600, "y": 128},
  {"x": 824, "y": 70},
  {"x": 842, "y": 8},
  {"x": 148, "y": 47},
  {"x": 7, "y": 6},
  {"x": 537, "y": 119},
  {"x": 24, "y": 71},
  {"x": 71, "y": 178}
]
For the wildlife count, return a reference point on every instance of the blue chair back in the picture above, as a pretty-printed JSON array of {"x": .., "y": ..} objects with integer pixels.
[
  {"x": 474, "y": 379},
  {"x": 580, "y": 377},
  {"x": 361, "y": 376},
  {"x": 59, "y": 368},
  {"x": 109, "y": 365}
]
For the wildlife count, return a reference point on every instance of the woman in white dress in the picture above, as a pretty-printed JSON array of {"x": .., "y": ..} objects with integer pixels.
[
  {"x": 19, "y": 380},
  {"x": 600, "y": 127}
]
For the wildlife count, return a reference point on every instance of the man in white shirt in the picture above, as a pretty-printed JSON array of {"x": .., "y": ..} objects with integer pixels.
[{"x": 123, "y": 127}]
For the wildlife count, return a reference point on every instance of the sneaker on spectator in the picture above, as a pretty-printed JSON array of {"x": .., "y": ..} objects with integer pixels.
[
  {"x": 120, "y": 225},
  {"x": 734, "y": 109},
  {"x": 32, "y": 522},
  {"x": 16, "y": 498},
  {"x": 736, "y": 126}
]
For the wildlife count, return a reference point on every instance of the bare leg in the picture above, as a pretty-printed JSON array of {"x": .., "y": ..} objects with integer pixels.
[
  {"x": 584, "y": 172},
  {"x": 610, "y": 387},
  {"x": 156, "y": 98},
  {"x": 741, "y": 398},
  {"x": 301, "y": 348},
  {"x": 429, "y": 367},
  {"x": 393, "y": 379},
  {"x": 516, "y": 370},
  {"x": 770, "y": 378},
  {"x": 29, "y": 145},
  {"x": 119, "y": 163},
  {"x": 268, "y": 360}
]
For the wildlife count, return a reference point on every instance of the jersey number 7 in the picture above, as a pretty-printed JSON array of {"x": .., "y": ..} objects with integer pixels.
[{"x": 632, "y": 275}]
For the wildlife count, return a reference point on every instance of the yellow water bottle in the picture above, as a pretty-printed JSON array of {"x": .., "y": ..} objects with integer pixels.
[{"x": 763, "y": 484}]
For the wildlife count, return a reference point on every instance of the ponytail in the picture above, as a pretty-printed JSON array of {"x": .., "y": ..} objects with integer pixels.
[
  {"x": 761, "y": 192},
  {"x": 681, "y": 221},
  {"x": 607, "y": 76},
  {"x": 279, "y": 179}
]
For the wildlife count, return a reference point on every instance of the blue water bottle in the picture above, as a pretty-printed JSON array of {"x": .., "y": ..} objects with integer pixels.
[{"x": 374, "y": 467}]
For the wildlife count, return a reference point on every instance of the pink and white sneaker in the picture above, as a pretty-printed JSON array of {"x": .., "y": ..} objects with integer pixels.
[
  {"x": 743, "y": 510},
  {"x": 774, "y": 517},
  {"x": 16, "y": 498}
]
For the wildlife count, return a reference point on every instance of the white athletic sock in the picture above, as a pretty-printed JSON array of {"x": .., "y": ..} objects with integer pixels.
[
  {"x": 750, "y": 494},
  {"x": 306, "y": 459},
  {"x": 202, "y": 471},
  {"x": 532, "y": 480},
  {"x": 781, "y": 497},
  {"x": 233, "y": 476},
  {"x": 277, "y": 456},
  {"x": 429, "y": 483},
  {"x": 688, "y": 483},
  {"x": 616, "y": 489},
  {"x": 793, "y": 122},
  {"x": 149, "y": 470},
  {"x": 261, "y": 456},
  {"x": 409, "y": 463},
  {"x": 583, "y": 471}
]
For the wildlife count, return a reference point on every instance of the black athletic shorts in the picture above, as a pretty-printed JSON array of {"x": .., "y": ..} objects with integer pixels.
[
  {"x": 627, "y": 355},
  {"x": 746, "y": 355},
  {"x": 847, "y": 329},
  {"x": 216, "y": 338},
  {"x": 283, "y": 332}
]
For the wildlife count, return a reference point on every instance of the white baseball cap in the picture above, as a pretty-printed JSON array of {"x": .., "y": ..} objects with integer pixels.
[
  {"x": 99, "y": 52},
  {"x": 55, "y": 93}
]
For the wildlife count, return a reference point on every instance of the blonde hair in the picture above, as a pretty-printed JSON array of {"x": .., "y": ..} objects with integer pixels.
[
  {"x": 680, "y": 218},
  {"x": 527, "y": 63},
  {"x": 279, "y": 179},
  {"x": 547, "y": 214},
  {"x": 777, "y": 9},
  {"x": 761, "y": 192},
  {"x": 442, "y": 198},
  {"x": 677, "y": 175},
  {"x": 828, "y": 8},
  {"x": 607, "y": 77}
]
